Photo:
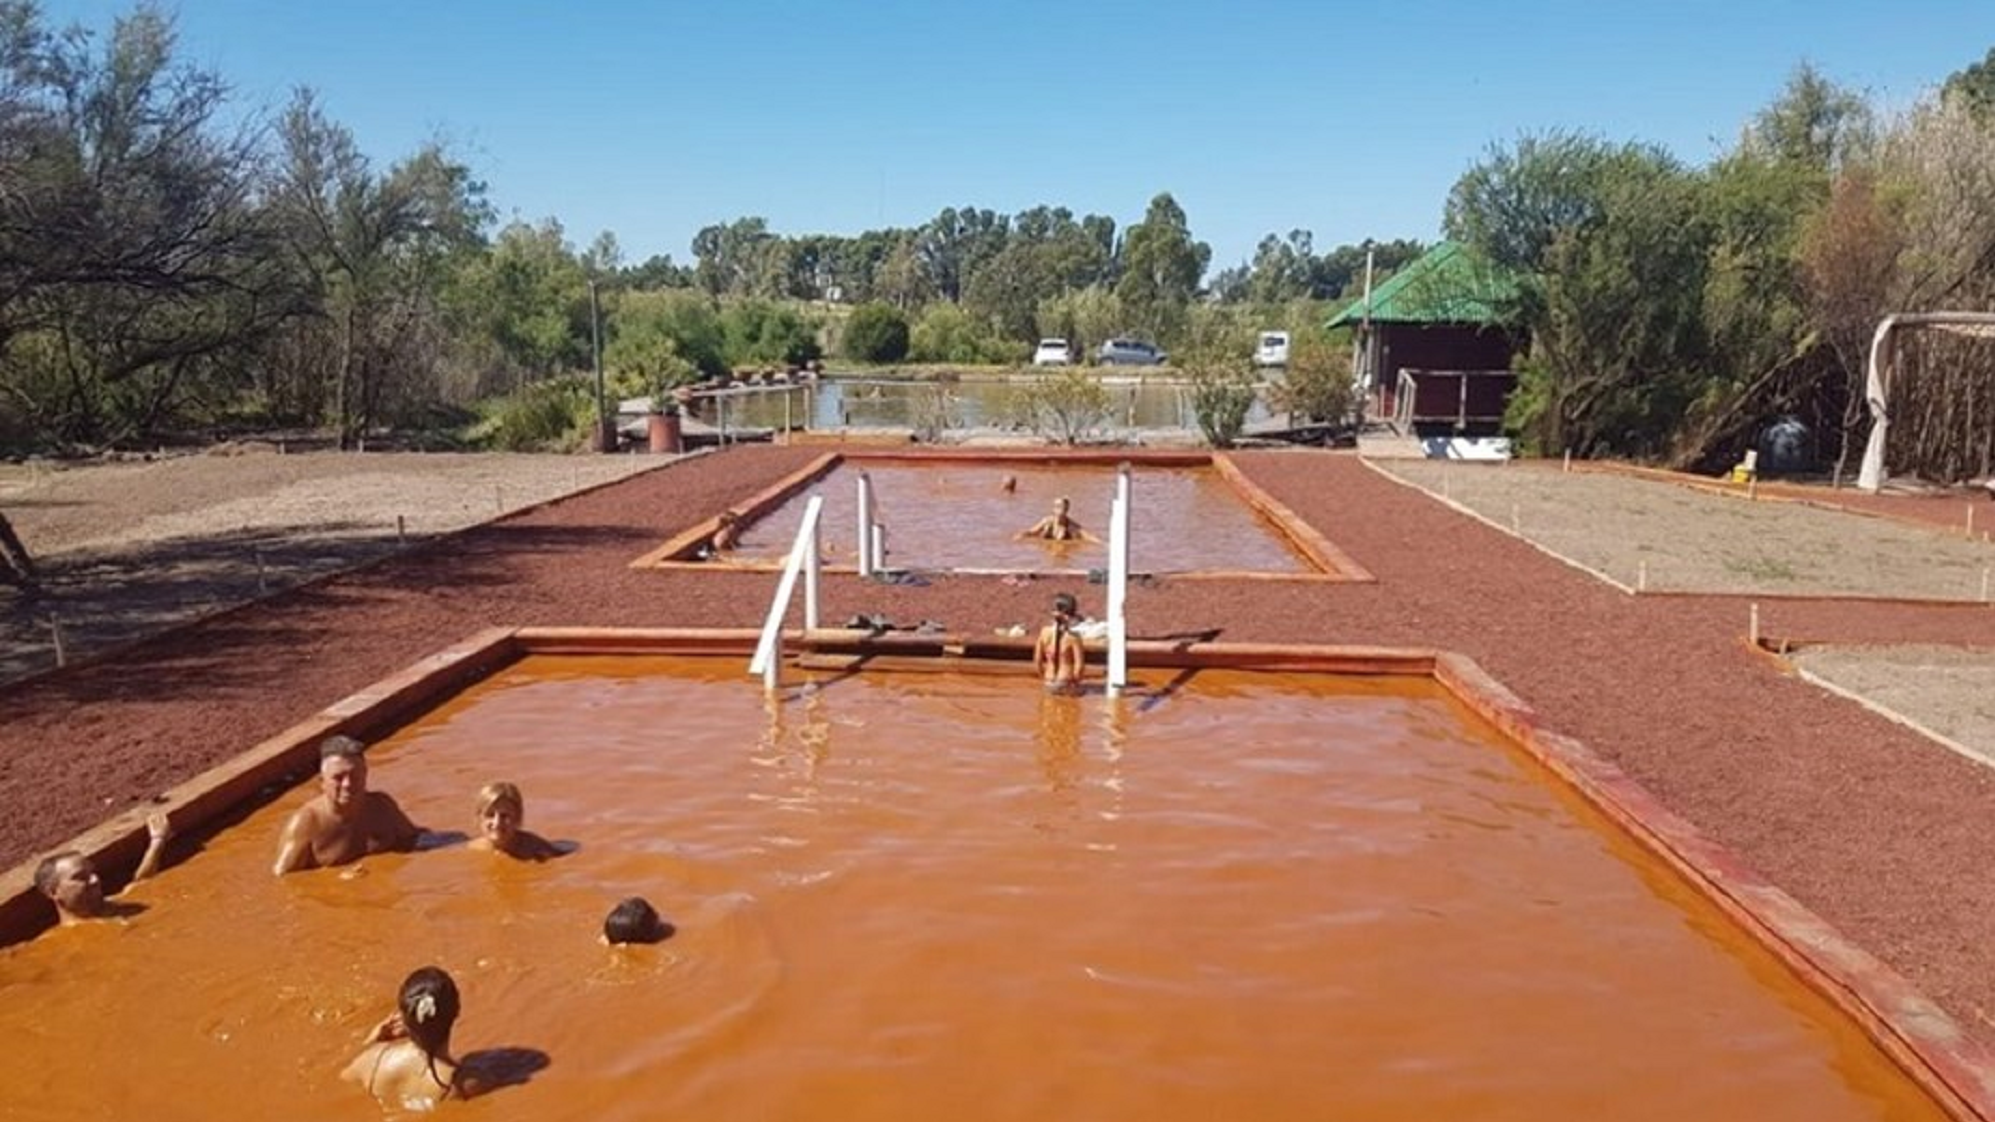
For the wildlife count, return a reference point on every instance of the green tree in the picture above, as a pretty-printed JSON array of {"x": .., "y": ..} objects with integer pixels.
[
  {"x": 529, "y": 295},
  {"x": 1283, "y": 270},
  {"x": 136, "y": 271},
  {"x": 875, "y": 333},
  {"x": 1814, "y": 123},
  {"x": 731, "y": 256},
  {"x": 642, "y": 324},
  {"x": 759, "y": 332},
  {"x": 375, "y": 245},
  {"x": 1610, "y": 246},
  {"x": 1974, "y": 86},
  {"x": 947, "y": 333},
  {"x": 661, "y": 340},
  {"x": 1161, "y": 267},
  {"x": 955, "y": 244},
  {"x": 1086, "y": 318}
]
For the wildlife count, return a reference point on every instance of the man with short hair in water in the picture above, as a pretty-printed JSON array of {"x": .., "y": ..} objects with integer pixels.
[
  {"x": 346, "y": 821},
  {"x": 1058, "y": 526},
  {"x": 1058, "y": 657},
  {"x": 70, "y": 880}
]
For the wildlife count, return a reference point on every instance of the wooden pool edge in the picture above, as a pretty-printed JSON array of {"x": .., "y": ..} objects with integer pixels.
[
  {"x": 1953, "y": 1069},
  {"x": 1328, "y": 564}
]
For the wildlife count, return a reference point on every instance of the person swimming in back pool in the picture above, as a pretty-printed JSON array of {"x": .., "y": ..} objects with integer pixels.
[
  {"x": 346, "y": 821},
  {"x": 727, "y": 535},
  {"x": 501, "y": 825},
  {"x": 1058, "y": 526},
  {"x": 71, "y": 882},
  {"x": 1058, "y": 656}
]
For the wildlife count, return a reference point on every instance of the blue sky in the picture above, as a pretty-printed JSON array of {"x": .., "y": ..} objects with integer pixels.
[{"x": 654, "y": 119}]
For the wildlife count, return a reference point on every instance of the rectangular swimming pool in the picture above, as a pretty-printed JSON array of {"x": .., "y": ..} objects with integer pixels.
[
  {"x": 957, "y": 515},
  {"x": 1253, "y": 895}
]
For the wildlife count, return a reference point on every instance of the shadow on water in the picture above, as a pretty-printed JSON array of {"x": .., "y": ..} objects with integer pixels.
[{"x": 493, "y": 1068}]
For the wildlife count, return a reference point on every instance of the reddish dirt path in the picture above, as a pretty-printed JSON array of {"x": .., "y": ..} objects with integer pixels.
[{"x": 1876, "y": 829}]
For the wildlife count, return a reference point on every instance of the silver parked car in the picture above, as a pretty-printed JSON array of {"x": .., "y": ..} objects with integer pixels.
[{"x": 1130, "y": 352}]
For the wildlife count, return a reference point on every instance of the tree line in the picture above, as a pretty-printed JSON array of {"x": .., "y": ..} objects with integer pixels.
[
  {"x": 1672, "y": 311},
  {"x": 169, "y": 262}
]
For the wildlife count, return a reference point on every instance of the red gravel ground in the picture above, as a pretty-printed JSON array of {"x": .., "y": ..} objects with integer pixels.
[{"x": 1877, "y": 830}]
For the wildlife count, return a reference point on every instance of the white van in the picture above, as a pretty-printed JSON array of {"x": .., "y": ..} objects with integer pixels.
[{"x": 1272, "y": 350}]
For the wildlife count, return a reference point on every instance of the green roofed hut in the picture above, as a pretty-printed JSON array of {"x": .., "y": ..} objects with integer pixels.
[{"x": 1433, "y": 351}]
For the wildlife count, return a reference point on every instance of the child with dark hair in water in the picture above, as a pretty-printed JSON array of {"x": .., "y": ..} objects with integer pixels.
[
  {"x": 1059, "y": 657},
  {"x": 407, "y": 1064},
  {"x": 635, "y": 921}
]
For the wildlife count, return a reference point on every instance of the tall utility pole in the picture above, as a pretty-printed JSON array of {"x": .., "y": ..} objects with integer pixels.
[{"x": 604, "y": 442}]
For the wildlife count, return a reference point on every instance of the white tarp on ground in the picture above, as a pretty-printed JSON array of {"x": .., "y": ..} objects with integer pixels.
[
  {"x": 1466, "y": 447},
  {"x": 1877, "y": 382}
]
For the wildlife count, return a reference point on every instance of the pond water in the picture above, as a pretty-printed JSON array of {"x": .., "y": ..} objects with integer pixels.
[{"x": 837, "y": 402}]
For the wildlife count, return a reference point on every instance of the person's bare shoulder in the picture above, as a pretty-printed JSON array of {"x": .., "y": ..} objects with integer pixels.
[{"x": 294, "y": 847}]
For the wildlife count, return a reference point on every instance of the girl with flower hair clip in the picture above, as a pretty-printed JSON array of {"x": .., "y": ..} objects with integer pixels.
[{"x": 407, "y": 1062}]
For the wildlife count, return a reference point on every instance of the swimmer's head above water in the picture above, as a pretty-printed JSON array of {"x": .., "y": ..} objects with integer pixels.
[
  {"x": 1065, "y": 607},
  {"x": 501, "y": 813},
  {"x": 70, "y": 881},
  {"x": 343, "y": 772},
  {"x": 635, "y": 921}
]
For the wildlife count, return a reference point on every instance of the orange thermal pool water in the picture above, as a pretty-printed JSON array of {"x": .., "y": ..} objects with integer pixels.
[
  {"x": 955, "y": 515},
  {"x": 939, "y": 896}
]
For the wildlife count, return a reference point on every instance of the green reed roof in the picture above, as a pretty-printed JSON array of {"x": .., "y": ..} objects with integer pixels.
[{"x": 1447, "y": 284}]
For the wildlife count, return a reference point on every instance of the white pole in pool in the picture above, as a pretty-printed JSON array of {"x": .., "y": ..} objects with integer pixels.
[
  {"x": 1118, "y": 583},
  {"x": 865, "y": 525},
  {"x": 768, "y": 657},
  {"x": 810, "y": 574}
]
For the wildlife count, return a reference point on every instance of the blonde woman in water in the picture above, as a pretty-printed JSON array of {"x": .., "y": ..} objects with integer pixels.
[{"x": 502, "y": 825}]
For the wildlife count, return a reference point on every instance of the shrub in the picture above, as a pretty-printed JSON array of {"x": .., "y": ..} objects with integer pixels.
[
  {"x": 760, "y": 333},
  {"x": 1218, "y": 360},
  {"x": 1064, "y": 407},
  {"x": 646, "y": 325},
  {"x": 1317, "y": 384},
  {"x": 550, "y": 416},
  {"x": 947, "y": 333},
  {"x": 933, "y": 410},
  {"x": 1220, "y": 399},
  {"x": 875, "y": 333}
]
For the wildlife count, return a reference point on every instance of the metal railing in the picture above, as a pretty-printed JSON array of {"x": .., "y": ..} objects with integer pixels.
[{"x": 1408, "y": 410}]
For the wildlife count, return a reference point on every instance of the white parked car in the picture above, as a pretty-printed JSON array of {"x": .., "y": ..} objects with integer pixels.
[
  {"x": 1053, "y": 352},
  {"x": 1272, "y": 350}
]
